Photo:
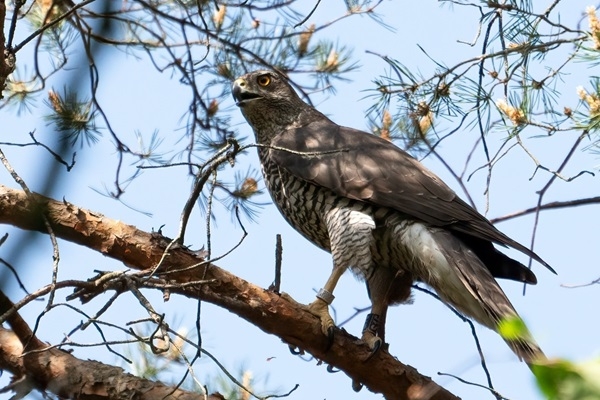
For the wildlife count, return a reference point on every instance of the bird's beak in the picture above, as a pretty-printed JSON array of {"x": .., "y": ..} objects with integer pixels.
[{"x": 241, "y": 94}]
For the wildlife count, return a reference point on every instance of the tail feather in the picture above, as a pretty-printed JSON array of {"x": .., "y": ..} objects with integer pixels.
[
  {"x": 462, "y": 279},
  {"x": 527, "y": 350},
  {"x": 498, "y": 263}
]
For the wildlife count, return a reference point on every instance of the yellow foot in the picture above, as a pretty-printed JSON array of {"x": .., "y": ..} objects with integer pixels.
[
  {"x": 317, "y": 308},
  {"x": 320, "y": 309}
]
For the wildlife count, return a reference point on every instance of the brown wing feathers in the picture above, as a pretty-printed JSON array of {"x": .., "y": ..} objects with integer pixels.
[{"x": 365, "y": 167}]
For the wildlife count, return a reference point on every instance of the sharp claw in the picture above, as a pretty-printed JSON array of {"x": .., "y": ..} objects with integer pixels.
[
  {"x": 329, "y": 338},
  {"x": 319, "y": 308},
  {"x": 370, "y": 334},
  {"x": 356, "y": 386},
  {"x": 331, "y": 370},
  {"x": 295, "y": 350},
  {"x": 374, "y": 349}
]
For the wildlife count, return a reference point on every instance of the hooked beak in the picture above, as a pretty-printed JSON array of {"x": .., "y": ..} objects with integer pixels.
[{"x": 240, "y": 93}]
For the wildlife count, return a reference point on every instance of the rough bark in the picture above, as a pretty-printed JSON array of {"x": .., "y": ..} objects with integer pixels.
[{"x": 267, "y": 310}]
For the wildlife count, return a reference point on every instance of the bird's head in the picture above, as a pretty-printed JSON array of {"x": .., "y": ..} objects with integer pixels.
[
  {"x": 261, "y": 87},
  {"x": 267, "y": 100}
]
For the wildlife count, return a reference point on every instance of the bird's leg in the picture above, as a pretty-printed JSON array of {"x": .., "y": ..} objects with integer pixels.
[
  {"x": 386, "y": 286},
  {"x": 373, "y": 334},
  {"x": 325, "y": 297},
  {"x": 350, "y": 236},
  {"x": 374, "y": 329},
  {"x": 378, "y": 285}
]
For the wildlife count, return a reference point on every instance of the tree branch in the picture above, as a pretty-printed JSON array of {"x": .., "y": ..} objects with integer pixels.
[
  {"x": 548, "y": 206},
  {"x": 265, "y": 309}
]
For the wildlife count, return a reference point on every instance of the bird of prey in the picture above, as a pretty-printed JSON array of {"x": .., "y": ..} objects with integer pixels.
[{"x": 380, "y": 213}]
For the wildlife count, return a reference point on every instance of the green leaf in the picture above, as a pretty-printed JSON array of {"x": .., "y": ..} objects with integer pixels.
[
  {"x": 565, "y": 380},
  {"x": 513, "y": 328}
]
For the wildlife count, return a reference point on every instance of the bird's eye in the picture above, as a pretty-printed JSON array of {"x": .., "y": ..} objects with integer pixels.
[{"x": 264, "y": 80}]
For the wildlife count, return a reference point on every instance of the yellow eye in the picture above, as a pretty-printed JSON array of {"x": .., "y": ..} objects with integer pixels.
[{"x": 264, "y": 80}]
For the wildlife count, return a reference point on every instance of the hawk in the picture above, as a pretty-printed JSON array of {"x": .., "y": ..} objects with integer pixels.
[{"x": 379, "y": 212}]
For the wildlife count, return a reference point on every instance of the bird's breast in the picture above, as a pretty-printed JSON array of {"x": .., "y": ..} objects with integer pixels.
[{"x": 301, "y": 203}]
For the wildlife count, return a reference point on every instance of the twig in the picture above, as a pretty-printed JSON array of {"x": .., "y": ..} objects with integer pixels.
[
  {"x": 92, "y": 321},
  {"x": 227, "y": 153},
  {"x": 51, "y": 235},
  {"x": 49, "y": 24},
  {"x": 225, "y": 371},
  {"x": 548, "y": 206},
  {"x": 542, "y": 192},
  {"x": 492, "y": 390},
  {"x": 14, "y": 272},
  {"x": 276, "y": 286},
  {"x": 473, "y": 332},
  {"x": 594, "y": 282},
  {"x": 309, "y": 15}
]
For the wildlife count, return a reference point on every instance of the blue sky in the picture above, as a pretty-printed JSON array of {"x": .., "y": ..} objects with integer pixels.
[{"x": 425, "y": 334}]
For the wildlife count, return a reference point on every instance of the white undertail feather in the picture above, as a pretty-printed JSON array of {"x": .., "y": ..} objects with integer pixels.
[{"x": 459, "y": 277}]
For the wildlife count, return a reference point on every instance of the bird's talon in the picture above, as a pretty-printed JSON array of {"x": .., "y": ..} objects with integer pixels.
[
  {"x": 374, "y": 342},
  {"x": 375, "y": 346},
  {"x": 319, "y": 308},
  {"x": 356, "y": 386},
  {"x": 331, "y": 369},
  {"x": 296, "y": 350},
  {"x": 329, "y": 338}
]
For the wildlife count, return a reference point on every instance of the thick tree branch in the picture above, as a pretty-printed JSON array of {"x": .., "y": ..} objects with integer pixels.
[{"x": 265, "y": 309}]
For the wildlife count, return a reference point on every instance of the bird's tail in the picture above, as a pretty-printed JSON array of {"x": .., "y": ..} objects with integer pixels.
[
  {"x": 461, "y": 279},
  {"x": 524, "y": 346}
]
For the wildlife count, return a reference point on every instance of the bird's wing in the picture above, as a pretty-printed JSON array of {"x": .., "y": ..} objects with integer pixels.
[{"x": 364, "y": 167}]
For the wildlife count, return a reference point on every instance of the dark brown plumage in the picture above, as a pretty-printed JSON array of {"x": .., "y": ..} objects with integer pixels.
[{"x": 379, "y": 212}]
